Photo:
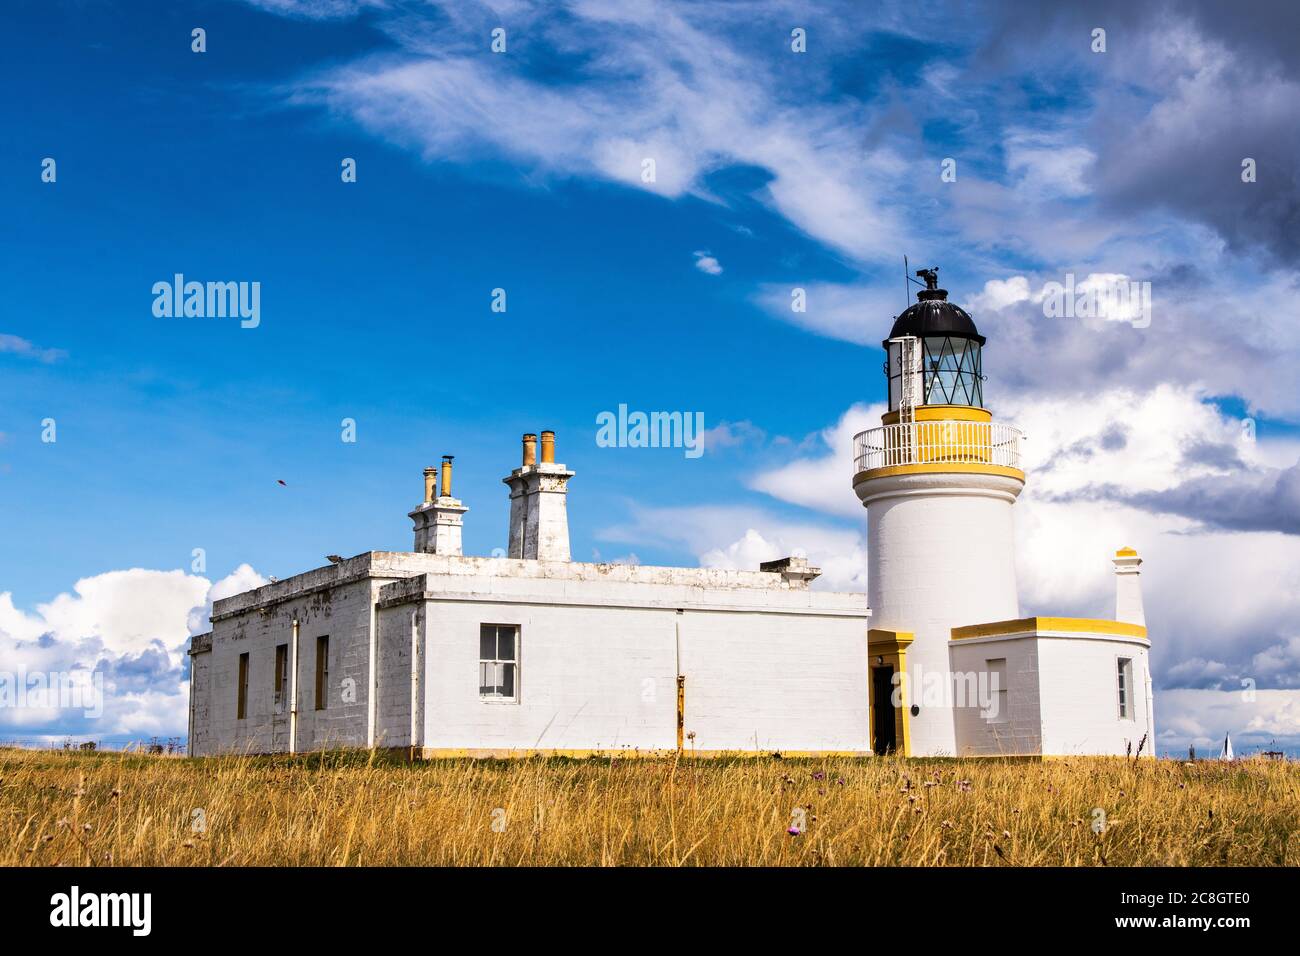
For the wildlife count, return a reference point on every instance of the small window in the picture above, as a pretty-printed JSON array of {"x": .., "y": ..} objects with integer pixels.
[
  {"x": 242, "y": 707},
  {"x": 322, "y": 671},
  {"x": 281, "y": 672},
  {"x": 1125, "y": 684},
  {"x": 498, "y": 661},
  {"x": 999, "y": 693}
]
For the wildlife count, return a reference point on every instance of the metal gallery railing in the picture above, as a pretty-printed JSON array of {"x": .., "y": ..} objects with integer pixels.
[{"x": 937, "y": 442}]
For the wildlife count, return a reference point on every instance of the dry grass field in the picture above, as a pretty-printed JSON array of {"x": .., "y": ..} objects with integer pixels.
[{"x": 356, "y": 809}]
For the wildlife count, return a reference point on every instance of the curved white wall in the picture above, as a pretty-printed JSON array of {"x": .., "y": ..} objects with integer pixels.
[{"x": 940, "y": 554}]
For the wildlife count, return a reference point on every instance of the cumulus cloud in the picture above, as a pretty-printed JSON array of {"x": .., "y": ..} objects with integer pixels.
[
  {"x": 1264, "y": 720},
  {"x": 124, "y": 632}
]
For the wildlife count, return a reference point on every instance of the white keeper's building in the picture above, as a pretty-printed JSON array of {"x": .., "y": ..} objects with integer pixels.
[{"x": 441, "y": 654}]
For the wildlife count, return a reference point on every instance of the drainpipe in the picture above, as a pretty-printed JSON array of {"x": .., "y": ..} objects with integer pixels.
[
  {"x": 373, "y": 680},
  {"x": 681, "y": 684},
  {"x": 293, "y": 692},
  {"x": 189, "y": 740},
  {"x": 416, "y": 683},
  {"x": 1151, "y": 714}
]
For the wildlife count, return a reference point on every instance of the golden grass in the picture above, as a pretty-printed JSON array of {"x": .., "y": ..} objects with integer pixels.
[{"x": 359, "y": 809}]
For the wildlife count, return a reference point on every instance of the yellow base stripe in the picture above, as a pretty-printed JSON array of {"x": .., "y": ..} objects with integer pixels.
[
  {"x": 1075, "y": 625},
  {"x": 939, "y": 468}
]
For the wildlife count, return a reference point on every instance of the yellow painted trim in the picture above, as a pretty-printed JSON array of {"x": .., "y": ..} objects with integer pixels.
[
  {"x": 881, "y": 640},
  {"x": 942, "y": 413},
  {"x": 1028, "y": 625},
  {"x": 892, "y": 647},
  {"x": 940, "y": 468},
  {"x": 470, "y": 753},
  {"x": 1126, "y": 553}
]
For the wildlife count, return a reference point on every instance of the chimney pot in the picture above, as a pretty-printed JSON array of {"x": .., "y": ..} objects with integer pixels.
[
  {"x": 548, "y": 447},
  {"x": 530, "y": 449},
  {"x": 446, "y": 475},
  {"x": 430, "y": 484}
]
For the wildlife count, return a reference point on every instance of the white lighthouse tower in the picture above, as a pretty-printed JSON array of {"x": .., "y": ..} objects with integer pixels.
[
  {"x": 938, "y": 479},
  {"x": 955, "y": 670}
]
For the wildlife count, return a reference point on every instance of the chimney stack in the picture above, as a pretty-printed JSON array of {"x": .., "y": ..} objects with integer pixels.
[
  {"x": 1128, "y": 589},
  {"x": 438, "y": 521},
  {"x": 539, "y": 518}
]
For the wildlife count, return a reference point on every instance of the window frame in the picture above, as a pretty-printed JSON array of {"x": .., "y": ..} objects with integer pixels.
[
  {"x": 322, "y": 671},
  {"x": 492, "y": 698},
  {"x": 1124, "y": 687},
  {"x": 1004, "y": 689},
  {"x": 241, "y": 697},
  {"x": 280, "y": 682}
]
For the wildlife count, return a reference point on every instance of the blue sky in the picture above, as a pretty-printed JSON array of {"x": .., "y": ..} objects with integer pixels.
[{"x": 520, "y": 170}]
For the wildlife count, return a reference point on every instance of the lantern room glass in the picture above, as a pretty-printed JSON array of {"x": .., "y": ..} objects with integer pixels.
[
  {"x": 951, "y": 367},
  {"x": 950, "y": 371}
]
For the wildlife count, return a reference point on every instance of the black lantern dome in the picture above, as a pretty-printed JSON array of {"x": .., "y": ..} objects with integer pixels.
[{"x": 949, "y": 347}]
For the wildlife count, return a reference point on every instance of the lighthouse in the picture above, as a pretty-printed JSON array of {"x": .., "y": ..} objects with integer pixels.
[{"x": 954, "y": 668}]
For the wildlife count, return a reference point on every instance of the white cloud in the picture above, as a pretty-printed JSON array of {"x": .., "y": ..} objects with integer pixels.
[
  {"x": 998, "y": 294},
  {"x": 1201, "y": 718},
  {"x": 20, "y": 346},
  {"x": 131, "y": 629},
  {"x": 857, "y": 313},
  {"x": 823, "y": 481},
  {"x": 740, "y": 538},
  {"x": 318, "y": 9},
  {"x": 707, "y": 263},
  {"x": 1047, "y": 165},
  {"x": 665, "y": 84},
  {"x": 733, "y": 435},
  {"x": 126, "y": 611}
]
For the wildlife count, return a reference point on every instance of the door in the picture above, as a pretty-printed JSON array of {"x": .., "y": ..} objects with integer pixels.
[{"x": 883, "y": 740}]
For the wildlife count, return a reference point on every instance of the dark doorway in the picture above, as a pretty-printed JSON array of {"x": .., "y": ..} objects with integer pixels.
[{"x": 883, "y": 739}]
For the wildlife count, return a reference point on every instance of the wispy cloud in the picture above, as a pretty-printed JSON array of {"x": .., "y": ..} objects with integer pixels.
[{"x": 15, "y": 345}]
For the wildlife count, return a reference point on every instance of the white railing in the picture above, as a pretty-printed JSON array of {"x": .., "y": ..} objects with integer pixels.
[{"x": 942, "y": 442}]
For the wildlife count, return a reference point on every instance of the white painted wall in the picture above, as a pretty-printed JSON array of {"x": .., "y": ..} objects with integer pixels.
[
  {"x": 1080, "y": 700},
  {"x": 1016, "y": 731},
  {"x": 775, "y": 682},
  {"x": 769, "y": 663},
  {"x": 771, "y": 671},
  {"x": 589, "y": 678},
  {"x": 341, "y": 612}
]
